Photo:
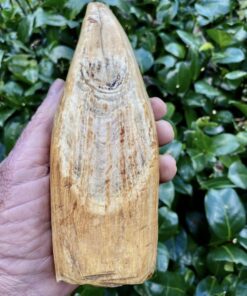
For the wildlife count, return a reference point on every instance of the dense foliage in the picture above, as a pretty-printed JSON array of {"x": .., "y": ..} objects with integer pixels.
[{"x": 192, "y": 54}]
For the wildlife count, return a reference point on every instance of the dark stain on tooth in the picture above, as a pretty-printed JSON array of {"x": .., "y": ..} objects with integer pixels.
[
  {"x": 74, "y": 205},
  {"x": 67, "y": 183},
  {"x": 98, "y": 66},
  {"x": 77, "y": 169},
  {"x": 107, "y": 62},
  {"x": 116, "y": 82},
  {"x": 92, "y": 20},
  {"x": 122, "y": 132}
]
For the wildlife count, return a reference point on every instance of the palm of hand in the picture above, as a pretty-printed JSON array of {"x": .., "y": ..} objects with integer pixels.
[{"x": 25, "y": 228}]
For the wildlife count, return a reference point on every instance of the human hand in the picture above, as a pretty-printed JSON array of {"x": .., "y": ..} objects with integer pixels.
[{"x": 26, "y": 261}]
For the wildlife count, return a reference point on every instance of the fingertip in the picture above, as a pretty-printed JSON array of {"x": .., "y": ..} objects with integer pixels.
[
  {"x": 159, "y": 107},
  {"x": 46, "y": 111},
  {"x": 53, "y": 98},
  {"x": 165, "y": 132},
  {"x": 56, "y": 86},
  {"x": 168, "y": 168}
]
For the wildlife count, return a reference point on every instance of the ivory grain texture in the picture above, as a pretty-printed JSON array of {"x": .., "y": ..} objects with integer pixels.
[{"x": 104, "y": 163}]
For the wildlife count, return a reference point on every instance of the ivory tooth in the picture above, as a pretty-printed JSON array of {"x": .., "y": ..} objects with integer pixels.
[{"x": 104, "y": 163}]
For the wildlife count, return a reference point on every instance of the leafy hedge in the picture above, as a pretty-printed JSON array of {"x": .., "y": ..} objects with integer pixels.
[{"x": 193, "y": 54}]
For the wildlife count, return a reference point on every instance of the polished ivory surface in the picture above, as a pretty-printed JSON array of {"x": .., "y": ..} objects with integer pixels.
[{"x": 104, "y": 163}]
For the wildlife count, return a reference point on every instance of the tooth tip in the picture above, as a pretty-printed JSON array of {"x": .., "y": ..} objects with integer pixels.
[{"x": 96, "y": 5}]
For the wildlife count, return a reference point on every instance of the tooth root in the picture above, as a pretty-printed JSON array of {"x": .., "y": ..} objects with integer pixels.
[{"x": 104, "y": 163}]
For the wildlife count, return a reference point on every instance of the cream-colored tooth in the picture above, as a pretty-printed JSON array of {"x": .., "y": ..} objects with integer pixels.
[{"x": 104, "y": 162}]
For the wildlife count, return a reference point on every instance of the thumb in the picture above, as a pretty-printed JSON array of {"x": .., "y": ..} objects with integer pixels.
[{"x": 34, "y": 143}]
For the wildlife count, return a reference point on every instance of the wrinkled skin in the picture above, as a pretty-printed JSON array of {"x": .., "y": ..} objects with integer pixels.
[{"x": 26, "y": 262}]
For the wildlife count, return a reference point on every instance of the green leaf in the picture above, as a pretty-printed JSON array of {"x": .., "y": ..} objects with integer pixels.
[
  {"x": 225, "y": 212},
  {"x": 43, "y": 18},
  {"x": 229, "y": 284},
  {"x": 5, "y": 114},
  {"x": 202, "y": 87},
  {"x": 121, "y": 4},
  {"x": 91, "y": 291},
  {"x": 221, "y": 37},
  {"x": 189, "y": 39},
  {"x": 31, "y": 74},
  {"x": 176, "y": 49},
  {"x": 170, "y": 110},
  {"x": 242, "y": 9},
  {"x": 12, "y": 131},
  {"x": 182, "y": 187},
  {"x": 149, "y": 289},
  {"x": 13, "y": 89},
  {"x": 166, "y": 38},
  {"x": 224, "y": 144},
  {"x": 144, "y": 59},
  {"x": 173, "y": 283},
  {"x": 31, "y": 90},
  {"x": 171, "y": 81},
  {"x": 166, "y": 10},
  {"x": 193, "y": 99},
  {"x": 1, "y": 57},
  {"x": 25, "y": 28},
  {"x": 179, "y": 80},
  {"x": 111, "y": 292},
  {"x": 199, "y": 142},
  {"x": 208, "y": 287},
  {"x": 230, "y": 55},
  {"x": 241, "y": 106},
  {"x": 199, "y": 261},
  {"x": 241, "y": 287},
  {"x": 168, "y": 61},
  {"x": 236, "y": 75},
  {"x": 195, "y": 64},
  {"x": 242, "y": 238},
  {"x": 238, "y": 174},
  {"x": 215, "y": 183},
  {"x": 76, "y": 6},
  {"x": 227, "y": 160},
  {"x": 167, "y": 193},
  {"x": 148, "y": 40},
  {"x": 174, "y": 148},
  {"x": 223, "y": 116},
  {"x": 206, "y": 46},
  {"x": 221, "y": 258},
  {"x": 184, "y": 77},
  {"x": 177, "y": 245},
  {"x": 242, "y": 137},
  {"x": 213, "y": 130},
  {"x": 24, "y": 68},
  {"x": 186, "y": 169},
  {"x": 61, "y": 52},
  {"x": 162, "y": 258},
  {"x": 168, "y": 223},
  {"x": 211, "y": 10}
]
